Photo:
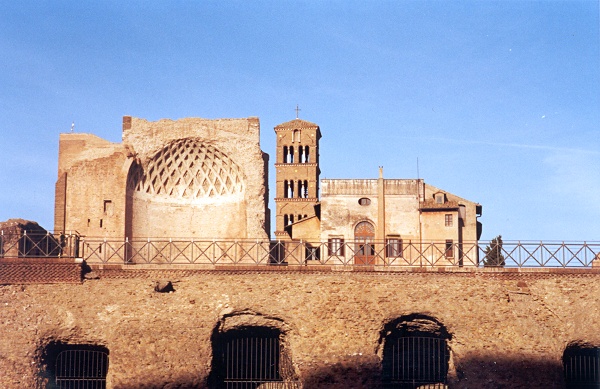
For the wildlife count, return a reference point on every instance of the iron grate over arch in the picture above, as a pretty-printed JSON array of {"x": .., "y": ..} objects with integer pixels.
[
  {"x": 415, "y": 353},
  {"x": 581, "y": 366},
  {"x": 189, "y": 169},
  {"x": 251, "y": 358},
  {"x": 76, "y": 366}
]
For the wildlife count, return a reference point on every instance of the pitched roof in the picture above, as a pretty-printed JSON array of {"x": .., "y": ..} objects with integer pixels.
[{"x": 296, "y": 123}]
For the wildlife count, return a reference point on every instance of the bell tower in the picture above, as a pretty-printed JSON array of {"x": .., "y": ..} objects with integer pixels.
[{"x": 297, "y": 173}]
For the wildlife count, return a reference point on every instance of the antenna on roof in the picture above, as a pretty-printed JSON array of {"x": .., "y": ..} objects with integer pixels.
[
  {"x": 72, "y": 126},
  {"x": 418, "y": 176},
  {"x": 297, "y": 110}
]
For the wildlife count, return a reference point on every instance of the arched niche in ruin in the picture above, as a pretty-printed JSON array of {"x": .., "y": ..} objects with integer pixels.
[
  {"x": 186, "y": 189},
  {"x": 415, "y": 351}
]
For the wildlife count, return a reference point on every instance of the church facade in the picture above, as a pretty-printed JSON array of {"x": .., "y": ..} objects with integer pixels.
[{"x": 367, "y": 221}]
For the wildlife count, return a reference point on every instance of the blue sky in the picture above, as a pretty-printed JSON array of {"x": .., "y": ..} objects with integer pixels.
[{"x": 498, "y": 101}]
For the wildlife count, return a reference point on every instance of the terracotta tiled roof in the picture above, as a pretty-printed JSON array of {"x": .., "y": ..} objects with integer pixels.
[
  {"x": 296, "y": 123},
  {"x": 431, "y": 205}
]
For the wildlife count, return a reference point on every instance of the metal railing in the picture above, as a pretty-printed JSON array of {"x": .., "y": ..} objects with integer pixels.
[
  {"x": 343, "y": 254},
  {"x": 339, "y": 253},
  {"x": 35, "y": 244}
]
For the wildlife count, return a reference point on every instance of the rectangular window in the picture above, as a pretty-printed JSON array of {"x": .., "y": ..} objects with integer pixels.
[
  {"x": 448, "y": 220},
  {"x": 449, "y": 252},
  {"x": 108, "y": 207},
  {"x": 393, "y": 247},
  {"x": 336, "y": 246},
  {"x": 439, "y": 198}
]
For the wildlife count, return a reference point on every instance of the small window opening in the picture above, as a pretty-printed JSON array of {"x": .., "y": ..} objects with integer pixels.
[
  {"x": 101, "y": 222},
  {"x": 288, "y": 189},
  {"x": 449, "y": 249},
  {"x": 393, "y": 247},
  {"x": 581, "y": 366},
  {"x": 448, "y": 220},
  {"x": 364, "y": 201},
  {"x": 440, "y": 198},
  {"x": 108, "y": 207},
  {"x": 312, "y": 253},
  {"x": 335, "y": 246},
  {"x": 76, "y": 366},
  {"x": 306, "y": 154}
]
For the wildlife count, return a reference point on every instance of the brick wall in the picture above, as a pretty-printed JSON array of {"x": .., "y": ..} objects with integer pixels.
[
  {"x": 39, "y": 271},
  {"x": 508, "y": 328}
]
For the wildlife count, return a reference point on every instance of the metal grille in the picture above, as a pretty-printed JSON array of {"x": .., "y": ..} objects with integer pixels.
[
  {"x": 415, "y": 361},
  {"x": 380, "y": 254},
  {"x": 582, "y": 368},
  {"x": 256, "y": 362},
  {"x": 81, "y": 369}
]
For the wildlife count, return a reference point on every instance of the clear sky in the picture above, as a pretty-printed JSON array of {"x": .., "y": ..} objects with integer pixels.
[{"x": 499, "y": 102}]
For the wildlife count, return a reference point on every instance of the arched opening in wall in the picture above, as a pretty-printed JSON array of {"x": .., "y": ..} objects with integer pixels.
[
  {"x": 285, "y": 154},
  {"x": 581, "y": 366},
  {"x": 291, "y": 154},
  {"x": 306, "y": 154},
  {"x": 74, "y": 366},
  {"x": 364, "y": 235},
  {"x": 415, "y": 353},
  {"x": 249, "y": 358}
]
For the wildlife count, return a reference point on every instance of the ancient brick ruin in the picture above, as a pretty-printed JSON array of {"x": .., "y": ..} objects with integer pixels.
[{"x": 160, "y": 274}]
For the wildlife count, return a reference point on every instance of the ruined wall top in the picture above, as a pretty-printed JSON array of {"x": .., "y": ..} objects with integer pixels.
[{"x": 146, "y": 137}]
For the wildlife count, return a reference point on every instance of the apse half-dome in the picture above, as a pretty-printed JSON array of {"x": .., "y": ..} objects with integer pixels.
[
  {"x": 188, "y": 188},
  {"x": 188, "y": 169}
]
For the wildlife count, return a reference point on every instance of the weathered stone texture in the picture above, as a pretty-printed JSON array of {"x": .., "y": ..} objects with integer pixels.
[
  {"x": 508, "y": 329},
  {"x": 168, "y": 179}
]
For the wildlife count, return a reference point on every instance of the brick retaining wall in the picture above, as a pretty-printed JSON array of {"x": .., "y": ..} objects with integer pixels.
[{"x": 39, "y": 271}]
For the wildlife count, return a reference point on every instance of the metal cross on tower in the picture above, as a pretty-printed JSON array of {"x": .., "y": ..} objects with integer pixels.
[{"x": 297, "y": 110}]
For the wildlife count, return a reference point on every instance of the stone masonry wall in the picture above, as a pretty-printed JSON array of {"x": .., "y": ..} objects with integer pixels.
[{"x": 508, "y": 329}]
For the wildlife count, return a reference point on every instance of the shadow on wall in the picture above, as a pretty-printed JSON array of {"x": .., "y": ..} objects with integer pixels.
[
  {"x": 482, "y": 371},
  {"x": 494, "y": 371}
]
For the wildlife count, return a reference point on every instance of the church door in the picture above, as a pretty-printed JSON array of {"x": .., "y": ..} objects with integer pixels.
[{"x": 364, "y": 235}]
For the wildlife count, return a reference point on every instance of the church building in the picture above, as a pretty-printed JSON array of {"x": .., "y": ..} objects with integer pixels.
[{"x": 367, "y": 221}]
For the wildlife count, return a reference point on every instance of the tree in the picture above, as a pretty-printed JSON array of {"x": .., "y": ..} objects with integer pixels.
[{"x": 493, "y": 253}]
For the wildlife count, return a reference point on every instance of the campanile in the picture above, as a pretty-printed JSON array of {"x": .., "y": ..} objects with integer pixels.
[{"x": 297, "y": 173}]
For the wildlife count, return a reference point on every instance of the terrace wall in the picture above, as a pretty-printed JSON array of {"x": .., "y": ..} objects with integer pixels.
[{"x": 508, "y": 328}]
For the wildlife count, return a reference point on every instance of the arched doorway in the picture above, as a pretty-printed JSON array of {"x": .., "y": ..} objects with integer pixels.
[{"x": 364, "y": 235}]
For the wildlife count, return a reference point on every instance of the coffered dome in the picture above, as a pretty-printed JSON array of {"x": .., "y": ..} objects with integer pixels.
[{"x": 188, "y": 169}]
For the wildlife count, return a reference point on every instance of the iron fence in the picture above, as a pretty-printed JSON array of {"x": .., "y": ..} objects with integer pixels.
[
  {"x": 338, "y": 252},
  {"x": 341, "y": 254},
  {"x": 39, "y": 244}
]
